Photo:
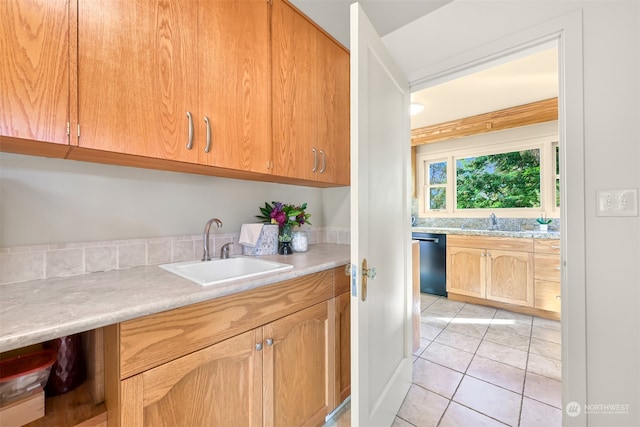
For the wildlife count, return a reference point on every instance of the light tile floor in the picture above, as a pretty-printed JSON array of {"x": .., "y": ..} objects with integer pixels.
[{"x": 478, "y": 366}]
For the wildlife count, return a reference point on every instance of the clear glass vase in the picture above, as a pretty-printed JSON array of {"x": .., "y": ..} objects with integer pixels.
[{"x": 300, "y": 241}]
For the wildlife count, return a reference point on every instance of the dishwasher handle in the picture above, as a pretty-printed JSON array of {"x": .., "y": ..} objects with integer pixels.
[{"x": 427, "y": 239}]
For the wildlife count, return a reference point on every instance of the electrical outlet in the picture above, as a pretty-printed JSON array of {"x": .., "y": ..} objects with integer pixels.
[{"x": 617, "y": 202}]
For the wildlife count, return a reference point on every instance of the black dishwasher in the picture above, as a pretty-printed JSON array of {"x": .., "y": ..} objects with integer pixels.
[{"x": 433, "y": 262}]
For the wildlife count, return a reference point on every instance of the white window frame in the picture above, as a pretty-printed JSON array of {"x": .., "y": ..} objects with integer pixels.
[
  {"x": 428, "y": 186},
  {"x": 450, "y": 151}
]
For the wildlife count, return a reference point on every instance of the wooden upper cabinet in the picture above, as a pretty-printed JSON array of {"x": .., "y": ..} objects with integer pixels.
[
  {"x": 333, "y": 112},
  {"x": 310, "y": 100},
  {"x": 34, "y": 70},
  {"x": 294, "y": 92},
  {"x": 136, "y": 77},
  {"x": 151, "y": 71},
  {"x": 234, "y": 86}
]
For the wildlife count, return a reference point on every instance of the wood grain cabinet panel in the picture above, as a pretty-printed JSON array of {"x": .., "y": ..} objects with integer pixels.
[
  {"x": 342, "y": 303},
  {"x": 547, "y": 267},
  {"x": 310, "y": 92},
  {"x": 298, "y": 367},
  {"x": 233, "y": 78},
  {"x": 547, "y": 274},
  {"x": 145, "y": 66},
  {"x": 547, "y": 295},
  {"x": 343, "y": 348},
  {"x": 146, "y": 343},
  {"x": 294, "y": 43},
  {"x": 491, "y": 268},
  {"x": 333, "y": 112},
  {"x": 219, "y": 385},
  {"x": 466, "y": 271},
  {"x": 510, "y": 277},
  {"x": 34, "y": 72},
  {"x": 137, "y": 77},
  {"x": 260, "y": 357},
  {"x": 547, "y": 246}
]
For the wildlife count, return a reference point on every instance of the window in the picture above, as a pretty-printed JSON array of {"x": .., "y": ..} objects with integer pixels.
[
  {"x": 496, "y": 181},
  {"x": 437, "y": 185},
  {"x": 514, "y": 177}
]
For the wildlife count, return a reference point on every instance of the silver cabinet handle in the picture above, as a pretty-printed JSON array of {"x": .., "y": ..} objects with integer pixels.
[
  {"x": 315, "y": 160},
  {"x": 269, "y": 342},
  {"x": 258, "y": 346},
  {"x": 208, "y": 146},
  {"x": 555, "y": 247},
  {"x": 190, "y": 141},
  {"x": 324, "y": 161}
]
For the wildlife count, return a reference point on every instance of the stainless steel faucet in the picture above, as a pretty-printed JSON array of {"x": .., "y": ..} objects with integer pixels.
[
  {"x": 494, "y": 221},
  {"x": 224, "y": 250},
  {"x": 205, "y": 237}
]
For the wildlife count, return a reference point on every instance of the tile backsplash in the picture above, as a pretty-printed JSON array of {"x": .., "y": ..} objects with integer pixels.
[{"x": 24, "y": 263}]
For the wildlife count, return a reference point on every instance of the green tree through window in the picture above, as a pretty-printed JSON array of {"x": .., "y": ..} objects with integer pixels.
[{"x": 505, "y": 180}]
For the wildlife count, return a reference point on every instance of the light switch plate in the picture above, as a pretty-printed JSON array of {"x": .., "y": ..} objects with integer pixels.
[{"x": 619, "y": 202}]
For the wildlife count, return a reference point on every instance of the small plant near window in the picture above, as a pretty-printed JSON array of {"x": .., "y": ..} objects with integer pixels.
[{"x": 543, "y": 220}]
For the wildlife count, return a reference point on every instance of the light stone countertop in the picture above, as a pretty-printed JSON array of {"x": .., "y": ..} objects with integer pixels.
[
  {"x": 40, "y": 310},
  {"x": 490, "y": 233}
]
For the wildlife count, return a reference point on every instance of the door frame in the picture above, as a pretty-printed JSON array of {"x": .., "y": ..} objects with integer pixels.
[{"x": 566, "y": 30}]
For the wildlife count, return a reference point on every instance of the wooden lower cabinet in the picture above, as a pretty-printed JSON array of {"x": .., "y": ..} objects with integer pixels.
[
  {"x": 510, "y": 277},
  {"x": 516, "y": 274},
  {"x": 183, "y": 367},
  {"x": 491, "y": 268},
  {"x": 298, "y": 367},
  {"x": 343, "y": 348},
  {"x": 216, "y": 386},
  {"x": 547, "y": 276},
  {"x": 277, "y": 375},
  {"x": 466, "y": 271}
]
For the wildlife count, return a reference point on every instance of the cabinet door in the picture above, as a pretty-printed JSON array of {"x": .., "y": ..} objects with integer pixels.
[
  {"x": 333, "y": 112},
  {"x": 299, "y": 367},
  {"x": 547, "y": 295},
  {"x": 466, "y": 271},
  {"x": 547, "y": 267},
  {"x": 343, "y": 347},
  {"x": 136, "y": 77},
  {"x": 295, "y": 96},
  {"x": 234, "y": 80},
  {"x": 217, "y": 386},
  {"x": 34, "y": 70},
  {"x": 510, "y": 277}
]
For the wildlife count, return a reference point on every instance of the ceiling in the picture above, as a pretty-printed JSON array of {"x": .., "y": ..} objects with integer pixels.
[
  {"x": 513, "y": 81},
  {"x": 520, "y": 81},
  {"x": 385, "y": 15}
]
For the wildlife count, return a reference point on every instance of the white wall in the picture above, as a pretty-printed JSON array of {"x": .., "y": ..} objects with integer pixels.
[
  {"x": 610, "y": 147},
  {"x": 46, "y": 200}
]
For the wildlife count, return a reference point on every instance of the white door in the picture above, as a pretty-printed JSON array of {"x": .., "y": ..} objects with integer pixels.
[{"x": 381, "y": 359}]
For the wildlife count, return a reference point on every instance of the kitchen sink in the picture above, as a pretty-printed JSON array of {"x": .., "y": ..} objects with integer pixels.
[{"x": 221, "y": 271}]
